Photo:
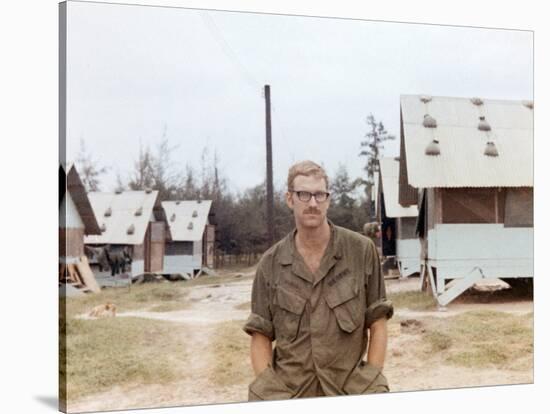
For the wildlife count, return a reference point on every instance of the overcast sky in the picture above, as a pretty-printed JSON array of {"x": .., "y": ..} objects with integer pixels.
[{"x": 134, "y": 73}]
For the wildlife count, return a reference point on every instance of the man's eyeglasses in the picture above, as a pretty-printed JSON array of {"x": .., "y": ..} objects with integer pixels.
[{"x": 305, "y": 196}]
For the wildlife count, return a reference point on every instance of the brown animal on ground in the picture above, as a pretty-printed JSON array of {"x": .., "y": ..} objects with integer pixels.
[{"x": 100, "y": 311}]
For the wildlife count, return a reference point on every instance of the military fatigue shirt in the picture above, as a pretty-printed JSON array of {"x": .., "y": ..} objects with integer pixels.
[{"x": 319, "y": 320}]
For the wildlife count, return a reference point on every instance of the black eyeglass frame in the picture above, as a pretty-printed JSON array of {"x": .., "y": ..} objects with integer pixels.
[{"x": 310, "y": 194}]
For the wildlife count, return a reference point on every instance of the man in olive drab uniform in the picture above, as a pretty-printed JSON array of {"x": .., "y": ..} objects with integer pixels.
[
  {"x": 319, "y": 294},
  {"x": 372, "y": 231}
]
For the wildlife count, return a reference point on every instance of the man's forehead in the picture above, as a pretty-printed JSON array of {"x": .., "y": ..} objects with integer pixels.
[{"x": 309, "y": 183}]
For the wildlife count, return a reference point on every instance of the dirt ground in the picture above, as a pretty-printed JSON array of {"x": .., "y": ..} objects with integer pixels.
[
  {"x": 407, "y": 371},
  {"x": 407, "y": 367}
]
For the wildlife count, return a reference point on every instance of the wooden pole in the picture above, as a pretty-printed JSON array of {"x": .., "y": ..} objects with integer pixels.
[{"x": 269, "y": 174}]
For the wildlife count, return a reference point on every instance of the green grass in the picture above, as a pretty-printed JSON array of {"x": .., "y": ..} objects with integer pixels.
[
  {"x": 482, "y": 339},
  {"x": 413, "y": 300},
  {"x": 102, "y": 353},
  {"x": 438, "y": 341},
  {"x": 128, "y": 298},
  {"x": 161, "y": 297},
  {"x": 98, "y": 354},
  {"x": 230, "y": 350}
]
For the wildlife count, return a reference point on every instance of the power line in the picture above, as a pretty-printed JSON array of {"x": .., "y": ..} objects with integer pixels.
[
  {"x": 280, "y": 125},
  {"x": 229, "y": 52}
]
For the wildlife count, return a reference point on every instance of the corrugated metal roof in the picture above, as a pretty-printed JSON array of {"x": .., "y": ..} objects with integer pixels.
[
  {"x": 180, "y": 213},
  {"x": 462, "y": 162},
  {"x": 123, "y": 209},
  {"x": 389, "y": 171}
]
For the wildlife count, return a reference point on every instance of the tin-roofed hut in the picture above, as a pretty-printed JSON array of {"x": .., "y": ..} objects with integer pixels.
[
  {"x": 470, "y": 169},
  {"x": 192, "y": 237},
  {"x": 398, "y": 223},
  {"x": 76, "y": 219},
  {"x": 129, "y": 224}
]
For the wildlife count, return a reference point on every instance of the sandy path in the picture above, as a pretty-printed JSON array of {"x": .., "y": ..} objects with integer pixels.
[{"x": 211, "y": 304}]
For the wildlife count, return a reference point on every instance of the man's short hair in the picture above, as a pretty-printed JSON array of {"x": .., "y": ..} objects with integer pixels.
[
  {"x": 370, "y": 229},
  {"x": 307, "y": 168}
]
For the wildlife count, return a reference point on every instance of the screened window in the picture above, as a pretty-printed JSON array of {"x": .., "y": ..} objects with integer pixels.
[
  {"x": 184, "y": 248},
  {"x": 407, "y": 228},
  {"x": 518, "y": 209},
  {"x": 469, "y": 205}
]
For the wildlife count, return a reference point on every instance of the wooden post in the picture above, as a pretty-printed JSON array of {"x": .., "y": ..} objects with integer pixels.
[
  {"x": 496, "y": 204},
  {"x": 269, "y": 156}
]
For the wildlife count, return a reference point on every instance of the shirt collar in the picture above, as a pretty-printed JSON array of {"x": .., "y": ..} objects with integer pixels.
[{"x": 286, "y": 256}]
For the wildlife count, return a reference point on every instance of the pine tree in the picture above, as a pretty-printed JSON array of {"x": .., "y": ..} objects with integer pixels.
[{"x": 376, "y": 135}]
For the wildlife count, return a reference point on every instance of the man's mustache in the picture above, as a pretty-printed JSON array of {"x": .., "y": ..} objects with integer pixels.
[{"x": 311, "y": 210}]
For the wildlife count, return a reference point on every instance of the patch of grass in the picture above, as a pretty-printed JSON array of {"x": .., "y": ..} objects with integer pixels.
[
  {"x": 482, "y": 339},
  {"x": 127, "y": 298},
  {"x": 165, "y": 295},
  {"x": 438, "y": 341},
  {"x": 230, "y": 351},
  {"x": 413, "y": 300},
  {"x": 243, "y": 306},
  {"x": 99, "y": 354},
  {"x": 481, "y": 355}
]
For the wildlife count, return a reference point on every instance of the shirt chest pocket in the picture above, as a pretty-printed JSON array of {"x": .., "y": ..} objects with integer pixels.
[
  {"x": 290, "y": 307},
  {"x": 343, "y": 299}
]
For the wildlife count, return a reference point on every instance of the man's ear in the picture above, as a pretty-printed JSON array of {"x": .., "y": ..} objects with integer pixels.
[{"x": 289, "y": 200}]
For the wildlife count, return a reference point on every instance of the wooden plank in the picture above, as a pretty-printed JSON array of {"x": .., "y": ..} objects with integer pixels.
[
  {"x": 423, "y": 277},
  {"x": 87, "y": 275},
  {"x": 431, "y": 280},
  {"x": 72, "y": 275},
  {"x": 62, "y": 271},
  {"x": 459, "y": 286}
]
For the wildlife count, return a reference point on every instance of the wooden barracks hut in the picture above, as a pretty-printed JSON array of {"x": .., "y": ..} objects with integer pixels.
[
  {"x": 76, "y": 220},
  {"x": 127, "y": 220},
  {"x": 398, "y": 223},
  {"x": 468, "y": 165},
  {"x": 192, "y": 237}
]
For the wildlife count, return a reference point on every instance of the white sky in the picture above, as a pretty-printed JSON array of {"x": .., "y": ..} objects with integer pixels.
[{"x": 134, "y": 70}]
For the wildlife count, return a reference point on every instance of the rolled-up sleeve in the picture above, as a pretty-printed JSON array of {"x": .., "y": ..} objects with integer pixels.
[
  {"x": 260, "y": 319},
  {"x": 378, "y": 306}
]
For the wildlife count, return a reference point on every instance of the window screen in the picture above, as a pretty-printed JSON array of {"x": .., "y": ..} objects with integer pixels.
[
  {"x": 179, "y": 248},
  {"x": 469, "y": 205},
  {"x": 407, "y": 228},
  {"x": 518, "y": 207}
]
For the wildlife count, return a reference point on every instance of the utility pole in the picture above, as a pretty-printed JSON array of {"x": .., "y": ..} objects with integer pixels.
[{"x": 269, "y": 159}]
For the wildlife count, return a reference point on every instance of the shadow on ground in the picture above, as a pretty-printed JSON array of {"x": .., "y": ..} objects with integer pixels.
[{"x": 48, "y": 401}]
